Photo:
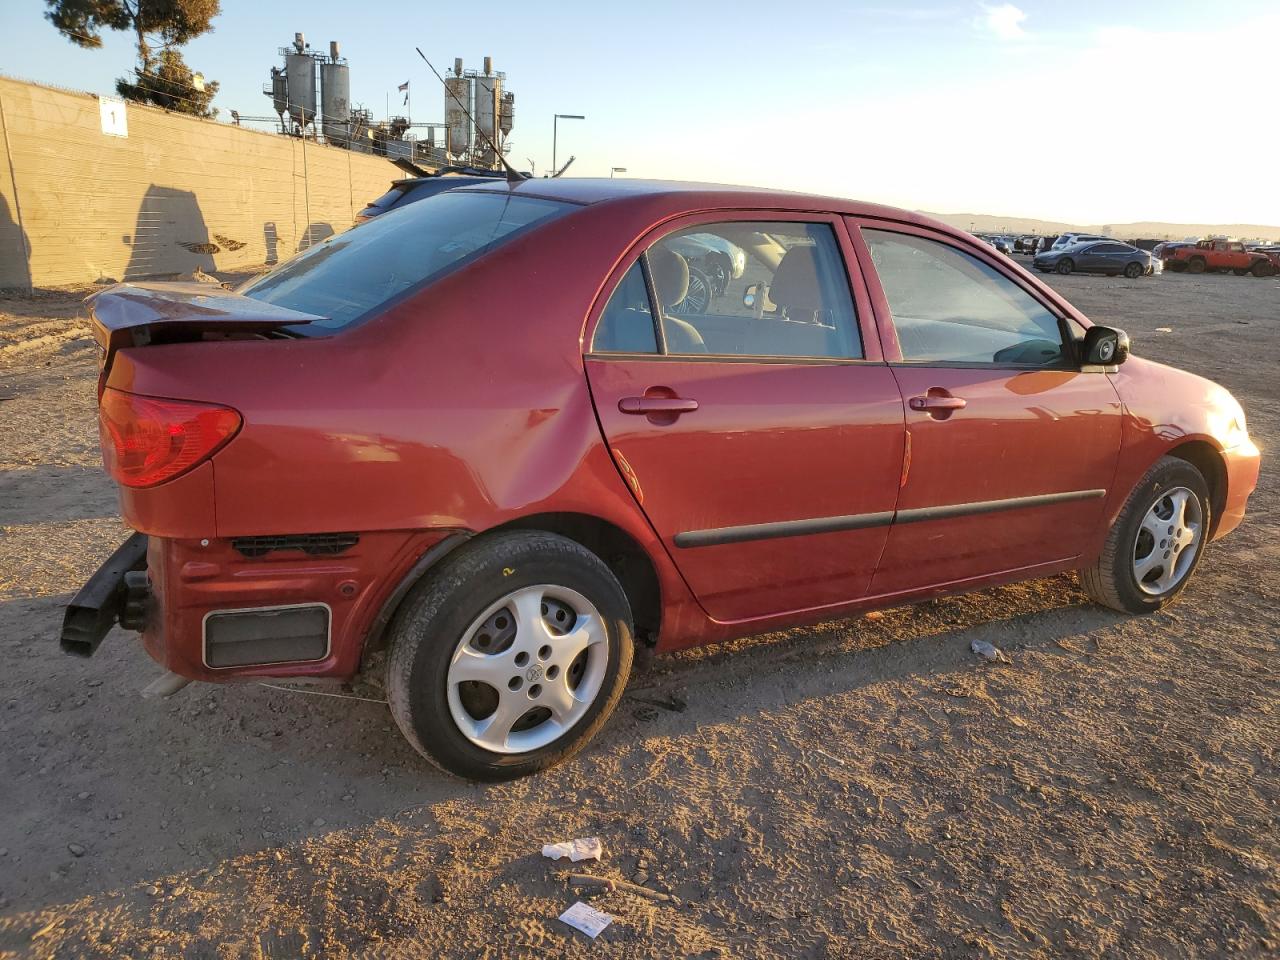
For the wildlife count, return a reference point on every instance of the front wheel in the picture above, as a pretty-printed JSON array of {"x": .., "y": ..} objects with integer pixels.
[
  {"x": 1134, "y": 270},
  {"x": 510, "y": 657},
  {"x": 1065, "y": 266},
  {"x": 1156, "y": 542},
  {"x": 1263, "y": 269}
]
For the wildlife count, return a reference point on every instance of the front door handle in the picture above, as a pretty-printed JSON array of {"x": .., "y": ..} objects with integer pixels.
[
  {"x": 658, "y": 405},
  {"x": 932, "y": 402}
]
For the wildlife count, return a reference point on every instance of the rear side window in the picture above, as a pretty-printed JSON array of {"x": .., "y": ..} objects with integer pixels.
[
  {"x": 352, "y": 274},
  {"x": 626, "y": 326},
  {"x": 950, "y": 307},
  {"x": 755, "y": 289}
]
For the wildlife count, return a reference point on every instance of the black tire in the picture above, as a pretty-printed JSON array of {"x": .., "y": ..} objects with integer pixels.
[
  {"x": 1241, "y": 271},
  {"x": 1111, "y": 580},
  {"x": 719, "y": 270},
  {"x": 1176, "y": 266},
  {"x": 1065, "y": 266},
  {"x": 698, "y": 298},
  {"x": 436, "y": 616},
  {"x": 1134, "y": 270},
  {"x": 1263, "y": 269},
  {"x": 1195, "y": 265}
]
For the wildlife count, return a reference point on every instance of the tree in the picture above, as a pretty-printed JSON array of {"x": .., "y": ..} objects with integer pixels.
[{"x": 162, "y": 77}]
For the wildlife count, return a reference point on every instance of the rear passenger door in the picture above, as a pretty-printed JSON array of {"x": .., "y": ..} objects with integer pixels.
[{"x": 739, "y": 382}]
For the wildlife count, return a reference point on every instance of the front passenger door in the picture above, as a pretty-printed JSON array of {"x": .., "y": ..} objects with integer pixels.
[{"x": 1010, "y": 445}]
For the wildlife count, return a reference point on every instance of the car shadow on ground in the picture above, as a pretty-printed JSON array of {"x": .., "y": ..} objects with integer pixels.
[{"x": 222, "y": 773}]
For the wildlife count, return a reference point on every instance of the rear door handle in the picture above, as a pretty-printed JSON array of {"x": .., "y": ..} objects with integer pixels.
[
  {"x": 648, "y": 405},
  {"x": 931, "y": 402}
]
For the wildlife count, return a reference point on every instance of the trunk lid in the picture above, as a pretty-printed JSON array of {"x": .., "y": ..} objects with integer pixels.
[{"x": 137, "y": 314}]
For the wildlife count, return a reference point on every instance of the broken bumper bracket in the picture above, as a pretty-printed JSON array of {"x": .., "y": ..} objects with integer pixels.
[{"x": 102, "y": 602}]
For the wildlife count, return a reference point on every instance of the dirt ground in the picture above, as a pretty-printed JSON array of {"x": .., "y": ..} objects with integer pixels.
[{"x": 867, "y": 788}]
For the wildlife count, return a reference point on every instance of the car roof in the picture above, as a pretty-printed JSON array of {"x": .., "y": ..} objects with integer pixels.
[{"x": 584, "y": 190}]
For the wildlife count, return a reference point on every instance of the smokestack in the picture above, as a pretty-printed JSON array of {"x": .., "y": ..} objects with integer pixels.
[
  {"x": 488, "y": 66},
  {"x": 457, "y": 66},
  {"x": 334, "y": 50},
  {"x": 299, "y": 42}
]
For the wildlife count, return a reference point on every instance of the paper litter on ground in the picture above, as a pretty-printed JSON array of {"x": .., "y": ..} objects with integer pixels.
[
  {"x": 587, "y": 919},
  {"x": 587, "y": 848}
]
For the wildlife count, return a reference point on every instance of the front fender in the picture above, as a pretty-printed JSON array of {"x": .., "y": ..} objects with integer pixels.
[{"x": 1171, "y": 411}]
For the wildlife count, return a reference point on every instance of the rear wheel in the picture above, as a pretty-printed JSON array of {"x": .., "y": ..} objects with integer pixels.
[
  {"x": 1065, "y": 266},
  {"x": 1134, "y": 270},
  {"x": 1195, "y": 265},
  {"x": 1156, "y": 542},
  {"x": 510, "y": 657},
  {"x": 1240, "y": 271},
  {"x": 1176, "y": 266}
]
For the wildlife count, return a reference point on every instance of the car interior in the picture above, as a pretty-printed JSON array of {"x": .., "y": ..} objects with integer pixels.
[{"x": 791, "y": 301}]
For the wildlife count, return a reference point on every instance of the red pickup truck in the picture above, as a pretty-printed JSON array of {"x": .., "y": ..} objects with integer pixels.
[{"x": 1219, "y": 256}]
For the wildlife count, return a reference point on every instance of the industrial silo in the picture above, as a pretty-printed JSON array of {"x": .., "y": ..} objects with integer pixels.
[
  {"x": 457, "y": 102},
  {"x": 279, "y": 91},
  {"x": 300, "y": 71},
  {"x": 507, "y": 113},
  {"x": 487, "y": 93},
  {"x": 335, "y": 98}
]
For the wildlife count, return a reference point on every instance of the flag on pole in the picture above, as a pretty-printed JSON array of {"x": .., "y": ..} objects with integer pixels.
[{"x": 404, "y": 87}]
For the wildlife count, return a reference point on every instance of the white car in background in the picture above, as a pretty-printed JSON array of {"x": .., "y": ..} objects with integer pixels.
[{"x": 1068, "y": 239}]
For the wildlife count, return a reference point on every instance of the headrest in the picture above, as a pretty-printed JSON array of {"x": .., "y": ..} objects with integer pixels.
[
  {"x": 670, "y": 275},
  {"x": 795, "y": 284}
]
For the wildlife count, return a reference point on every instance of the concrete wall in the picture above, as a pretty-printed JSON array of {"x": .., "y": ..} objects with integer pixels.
[{"x": 177, "y": 193}]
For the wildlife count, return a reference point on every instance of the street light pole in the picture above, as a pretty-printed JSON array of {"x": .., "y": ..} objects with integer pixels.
[{"x": 554, "y": 135}]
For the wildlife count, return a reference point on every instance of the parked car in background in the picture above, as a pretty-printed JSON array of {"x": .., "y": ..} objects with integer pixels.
[
  {"x": 1002, "y": 244},
  {"x": 1165, "y": 249},
  {"x": 719, "y": 260},
  {"x": 1221, "y": 256},
  {"x": 1110, "y": 257},
  {"x": 1067, "y": 239},
  {"x": 413, "y": 189},
  {"x": 480, "y": 446}
]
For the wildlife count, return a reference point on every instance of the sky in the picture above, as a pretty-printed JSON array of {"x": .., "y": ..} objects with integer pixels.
[{"x": 1086, "y": 112}]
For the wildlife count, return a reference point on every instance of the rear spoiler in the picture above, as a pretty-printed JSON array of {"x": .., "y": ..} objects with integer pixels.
[{"x": 136, "y": 314}]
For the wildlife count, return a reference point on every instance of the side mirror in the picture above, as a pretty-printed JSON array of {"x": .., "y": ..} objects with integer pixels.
[
  {"x": 751, "y": 295},
  {"x": 1104, "y": 347}
]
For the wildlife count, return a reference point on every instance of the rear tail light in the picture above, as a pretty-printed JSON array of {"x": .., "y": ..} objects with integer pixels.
[{"x": 148, "y": 440}]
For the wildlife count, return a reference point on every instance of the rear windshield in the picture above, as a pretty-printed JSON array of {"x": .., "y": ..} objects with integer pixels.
[{"x": 350, "y": 275}]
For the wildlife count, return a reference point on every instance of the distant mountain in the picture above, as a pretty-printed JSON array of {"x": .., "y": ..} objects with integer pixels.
[{"x": 987, "y": 223}]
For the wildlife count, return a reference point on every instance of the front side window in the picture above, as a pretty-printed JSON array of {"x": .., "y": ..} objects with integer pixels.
[
  {"x": 351, "y": 274},
  {"x": 755, "y": 289},
  {"x": 951, "y": 307}
]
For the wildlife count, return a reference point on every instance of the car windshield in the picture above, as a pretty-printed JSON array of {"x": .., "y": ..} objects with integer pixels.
[{"x": 350, "y": 275}]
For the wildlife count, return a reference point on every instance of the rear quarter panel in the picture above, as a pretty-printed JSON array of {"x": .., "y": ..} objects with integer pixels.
[{"x": 465, "y": 406}]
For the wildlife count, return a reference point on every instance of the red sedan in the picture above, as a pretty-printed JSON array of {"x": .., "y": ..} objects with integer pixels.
[{"x": 506, "y": 432}]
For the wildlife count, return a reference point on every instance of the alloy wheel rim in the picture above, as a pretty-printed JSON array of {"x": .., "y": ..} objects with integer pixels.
[
  {"x": 1168, "y": 540},
  {"x": 527, "y": 669},
  {"x": 697, "y": 299}
]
